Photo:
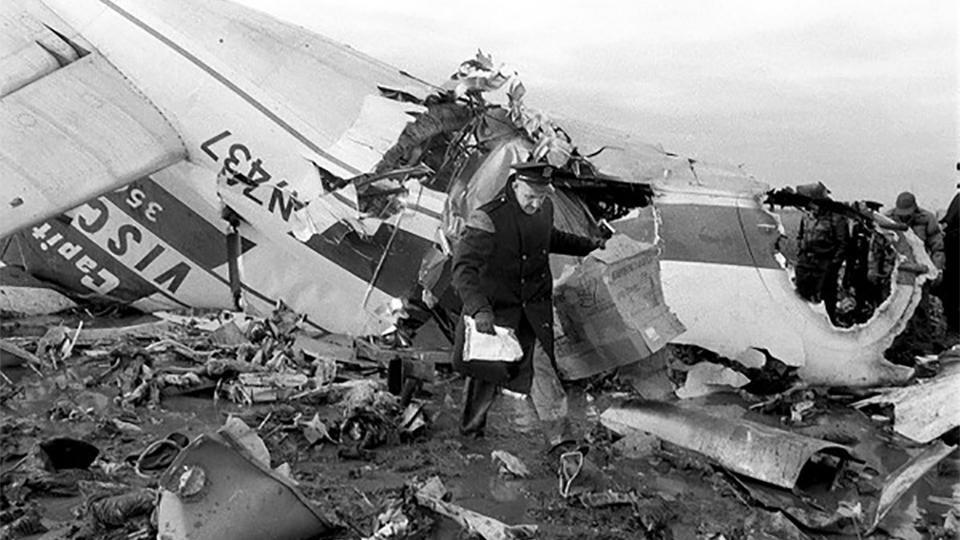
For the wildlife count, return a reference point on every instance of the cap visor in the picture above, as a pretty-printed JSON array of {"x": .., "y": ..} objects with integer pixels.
[{"x": 537, "y": 185}]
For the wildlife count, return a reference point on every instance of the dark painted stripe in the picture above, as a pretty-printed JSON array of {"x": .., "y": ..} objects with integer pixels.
[
  {"x": 718, "y": 234},
  {"x": 709, "y": 234},
  {"x": 226, "y": 82},
  {"x": 15, "y": 276},
  {"x": 344, "y": 199},
  {"x": 49, "y": 265},
  {"x": 184, "y": 229},
  {"x": 166, "y": 216},
  {"x": 360, "y": 257}
]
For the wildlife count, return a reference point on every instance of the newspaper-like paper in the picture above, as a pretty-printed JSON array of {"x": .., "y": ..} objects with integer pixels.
[{"x": 502, "y": 347}]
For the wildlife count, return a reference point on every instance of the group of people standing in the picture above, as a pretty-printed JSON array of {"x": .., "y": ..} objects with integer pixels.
[{"x": 831, "y": 251}]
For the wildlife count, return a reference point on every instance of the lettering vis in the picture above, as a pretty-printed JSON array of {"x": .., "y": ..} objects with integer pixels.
[{"x": 93, "y": 217}]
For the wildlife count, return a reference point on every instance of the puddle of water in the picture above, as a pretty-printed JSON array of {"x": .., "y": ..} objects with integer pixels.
[
  {"x": 902, "y": 523},
  {"x": 482, "y": 490},
  {"x": 670, "y": 487},
  {"x": 941, "y": 484}
]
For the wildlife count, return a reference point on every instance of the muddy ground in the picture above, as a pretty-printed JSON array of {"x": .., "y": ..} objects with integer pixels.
[{"x": 676, "y": 494}]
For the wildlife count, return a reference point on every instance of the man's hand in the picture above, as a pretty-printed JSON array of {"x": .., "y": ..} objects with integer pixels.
[
  {"x": 598, "y": 243},
  {"x": 484, "y": 320}
]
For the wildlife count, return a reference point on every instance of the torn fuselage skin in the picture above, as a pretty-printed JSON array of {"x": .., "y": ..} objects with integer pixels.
[{"x": 725, "y": 278}]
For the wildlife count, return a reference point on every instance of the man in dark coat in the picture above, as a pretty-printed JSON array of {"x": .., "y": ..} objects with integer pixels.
[
  {"x": 950, "y": 283},
  {"x": 501, "y": 270},
  {"x": 821, "y": 248}
]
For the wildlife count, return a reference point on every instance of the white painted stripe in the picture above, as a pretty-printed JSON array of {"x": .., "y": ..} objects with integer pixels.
[
  {"x": 744, "y": 308},
  {"x": 745, "y": 200}
]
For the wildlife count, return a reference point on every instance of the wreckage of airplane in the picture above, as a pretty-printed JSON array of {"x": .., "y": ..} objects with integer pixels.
[{"x": 177, "y": 153}]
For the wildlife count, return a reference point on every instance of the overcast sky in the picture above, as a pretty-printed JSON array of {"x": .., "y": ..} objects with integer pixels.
[{"x": 861, "y": 94}]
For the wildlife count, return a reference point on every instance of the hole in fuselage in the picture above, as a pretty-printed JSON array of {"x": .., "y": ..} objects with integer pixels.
[{"x": 850, "y": 279}]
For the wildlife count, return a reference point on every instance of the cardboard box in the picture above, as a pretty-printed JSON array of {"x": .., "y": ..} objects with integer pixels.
[{"x": 610, "y": 310}]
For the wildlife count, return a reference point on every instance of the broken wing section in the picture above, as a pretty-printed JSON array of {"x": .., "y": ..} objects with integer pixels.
[{"x": 73, "y": 134}]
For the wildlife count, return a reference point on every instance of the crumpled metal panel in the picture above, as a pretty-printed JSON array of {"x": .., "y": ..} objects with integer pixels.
[
  {"x": 925, "y": 410},
  {"x": 744, "y": 447},
  {"x": 635, "y": 161},
  {"x": 75, "y": 134},
  {"x": 216, "y": 490},
  {"x": 837, "y": 514},
  {"x": 753, "y": 305}
]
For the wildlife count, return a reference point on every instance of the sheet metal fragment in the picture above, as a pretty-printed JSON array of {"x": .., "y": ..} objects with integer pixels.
[
  {"x": 215, "y": 489},
  {"x": 899, "y": 481},
  {"x": 748, "y": 448},
  {"x": 925, "y": 410},
  {"x": 853, "y": 512},
  {"x": 706, "y": 378},
  {"x": 431, "y": 496}
]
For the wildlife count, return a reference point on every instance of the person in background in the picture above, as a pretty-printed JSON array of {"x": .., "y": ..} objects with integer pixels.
[
  {"x": 501, "y": 270},
  {"x": 821, "y": 249},
  {"x": 949, "y": 289},
  {"x": 922, "y": 222},
  {"x": 926, "y": 329}
]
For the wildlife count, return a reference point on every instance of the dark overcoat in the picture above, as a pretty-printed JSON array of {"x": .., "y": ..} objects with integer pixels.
[{"x": 502, "y": 264}]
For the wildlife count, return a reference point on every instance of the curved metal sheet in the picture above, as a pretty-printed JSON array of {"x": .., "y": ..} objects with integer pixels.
[
  {"x": 925, "y": 410},
  {"x": 235, "y": 497},
  {"x": 634, "y": 161},
  {"x": 748, "y": 448}
]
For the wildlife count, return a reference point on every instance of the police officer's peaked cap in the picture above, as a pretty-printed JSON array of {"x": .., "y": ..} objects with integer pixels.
[{"x": 536, "y": 172}]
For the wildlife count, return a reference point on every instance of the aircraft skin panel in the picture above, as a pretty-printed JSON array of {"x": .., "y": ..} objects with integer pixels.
[
  {"x": 750, "y": 301},
  {"x": 25, "y": 66},
  {"x": 309, "y": 101},
  {"x": 236, "y": 126},
  {"x": 718, "y": 234},
  {"x": 722, "y": 277},
  {"x": 250, "y": 121},
  {"x": 27, "y": 24},
  {"x": 157, "y": 243},
  {"x": 374, "y": 131},
  {"x": 74, "y": 134},
  {"x": 331, "y": 295},
  {"x": 737, "y": 311},
  {"x": 720, "y": 306},
  {"x": 623, "y": 155},
  {"x": 322, "y": 81},
  {"x": 149, "y": 256},
  {"x": 102, "y": 251}
]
